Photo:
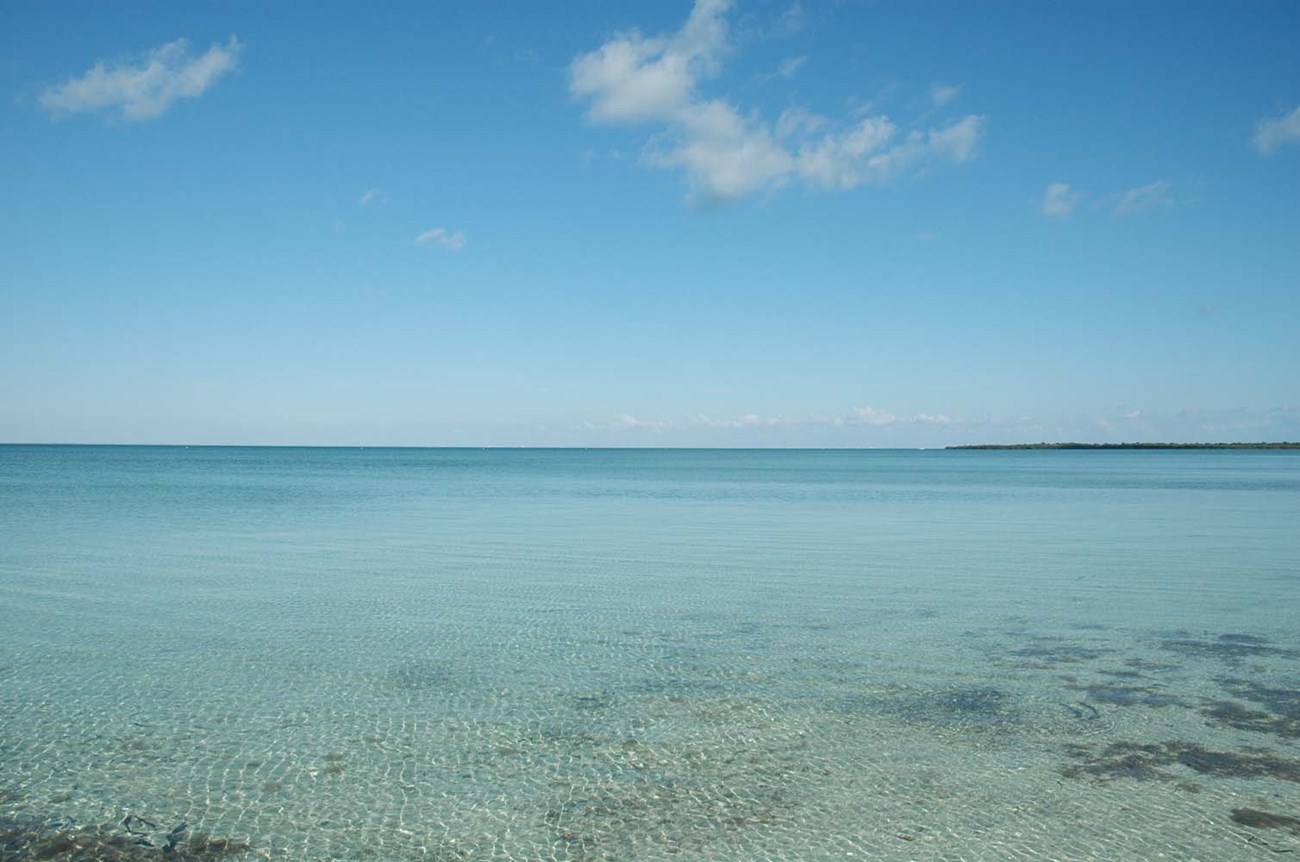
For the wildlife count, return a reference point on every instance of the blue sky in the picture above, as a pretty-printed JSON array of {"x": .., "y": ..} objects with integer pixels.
[{"x": 732, "y": 224}]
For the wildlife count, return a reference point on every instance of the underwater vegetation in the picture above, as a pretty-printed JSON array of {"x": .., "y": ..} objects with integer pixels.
[
  {"x": 1049, "y": 653},
  {"x": 134, "y": 839},
  {"x": 1121, "y": 681},
  {"x": 1150, "y": 761},
  {"x": 1226, "y": 713},
  {"x": 967, "y": 708},
  {"x": 1280, "y": 715},
  {"x": 1124, "y": 695},
  {"x": 1231, "y": 649},
  {"x": 1257, "y": 819}
]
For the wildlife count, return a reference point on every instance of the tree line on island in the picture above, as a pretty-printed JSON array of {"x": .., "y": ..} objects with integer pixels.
[{"x": 1282, "y": 445}]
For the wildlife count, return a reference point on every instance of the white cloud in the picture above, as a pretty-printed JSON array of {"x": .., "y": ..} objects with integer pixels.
[
  {"x": 1142, "y": 198},
  {"x": 1273, "y": 133},
  {"x": 726, "y": 156},
  {"x": 371, "y": 196},
  {"x": 727, "y": 153},
  {"x": 146, "y": 87},
  {"x": 1059, "y": 201},
  {"x": 442, "y": 237},
  {"x": 634, "y": 79},
  {"x": 942, "y": 94}
]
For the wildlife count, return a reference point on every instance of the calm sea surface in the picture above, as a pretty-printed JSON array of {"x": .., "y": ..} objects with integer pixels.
[{"x": 621, "y": 655}]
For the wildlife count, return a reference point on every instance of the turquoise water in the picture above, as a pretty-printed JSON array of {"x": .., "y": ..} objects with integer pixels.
[{"x": 523, "y": 654}]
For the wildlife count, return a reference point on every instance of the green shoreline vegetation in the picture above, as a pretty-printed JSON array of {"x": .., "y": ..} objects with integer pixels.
[{"x": 1283, "y": 445}]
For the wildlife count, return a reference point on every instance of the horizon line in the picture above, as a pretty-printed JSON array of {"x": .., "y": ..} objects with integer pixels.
[{"x": 1026, "y": 446}]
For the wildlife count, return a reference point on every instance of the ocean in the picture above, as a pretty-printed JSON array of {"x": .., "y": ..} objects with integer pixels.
[{"x": 463, "y": 654}]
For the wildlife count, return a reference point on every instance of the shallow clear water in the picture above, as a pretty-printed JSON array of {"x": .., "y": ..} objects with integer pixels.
[{"x": 521, "y": 654}]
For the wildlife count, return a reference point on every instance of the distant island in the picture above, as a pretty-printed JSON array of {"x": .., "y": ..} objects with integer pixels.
[{"x": 1128, "y": 446}]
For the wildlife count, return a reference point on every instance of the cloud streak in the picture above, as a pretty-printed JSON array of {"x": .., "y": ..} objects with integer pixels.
[
  {"x": 143, "y": 88},
  {"x": 1143, "y": 198},
  {"x": 942, "y": 94},
  {"x": 870, "y": 423},
  {"x": 788, "y": 68},
  {"x": 439, "y": 236},
  {"x": 727, "y": 153}
]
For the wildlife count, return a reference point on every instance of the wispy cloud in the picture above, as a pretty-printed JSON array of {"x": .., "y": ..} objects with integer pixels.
[
  {"x": 144, "y": 87},
  {"x": 788, "y": 68},
  {"x": 628, "y": 422},
  {"x": 869, "y": 423},
  {"x": 876, "y": 417},
  {"x": 793, "y": 19},
  {"x": 1201, "y": 424},
  {"x": 625, "y": 420},
  {"x": 728, "y": 153},
  {"x": 452, "y": 241},
  {"x": 1143, "y": 198},
  {"x": 1276, "y": 131},
  {"x": 1059, "y": 201},
  {"x": 371, "y": 197},
  {"x": 861, "y": 417},
  {"x": 942, "y": 94},
  {"x": 745, "y": 420}
]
